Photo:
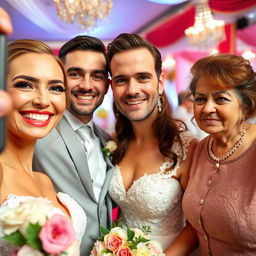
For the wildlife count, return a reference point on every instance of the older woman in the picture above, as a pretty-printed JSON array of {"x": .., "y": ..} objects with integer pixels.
[
  {"x": 36, "y": 83},
  {"x": 220, "y": 200}
]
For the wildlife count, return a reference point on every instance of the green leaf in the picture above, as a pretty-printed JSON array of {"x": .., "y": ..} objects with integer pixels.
[
  {"x": 32, "y": 236},
  {"x": 104, "y": 231},
  {"x": 130, "y": 234},
  {"x": 146, "y": 229},
  {"x": 116, "y": 223},
  {"x": 15, "y": 238},
  {"x": 106, "y": 251},
  {"x": 105, "y": 150},
  {"x": 142, "y": 239}
]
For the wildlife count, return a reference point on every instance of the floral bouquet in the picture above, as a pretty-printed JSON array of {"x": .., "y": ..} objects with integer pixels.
[
  {"x": 126, "y": 242},
  {"x": 37, "y": 228}
]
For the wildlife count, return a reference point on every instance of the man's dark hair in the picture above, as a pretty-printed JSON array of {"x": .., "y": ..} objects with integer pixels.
[
  {"x": 126, "y": 41},
  {"x": 82, "y": 43}
]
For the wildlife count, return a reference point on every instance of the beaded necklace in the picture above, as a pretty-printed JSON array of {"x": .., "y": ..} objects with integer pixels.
[{"x": 229, "y": 153}]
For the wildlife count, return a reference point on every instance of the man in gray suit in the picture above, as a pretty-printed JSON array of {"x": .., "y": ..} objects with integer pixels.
[{"x": 63, "y": 154}]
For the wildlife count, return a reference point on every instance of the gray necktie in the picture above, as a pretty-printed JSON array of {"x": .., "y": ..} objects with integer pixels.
[{"x": 86, "y": 134}]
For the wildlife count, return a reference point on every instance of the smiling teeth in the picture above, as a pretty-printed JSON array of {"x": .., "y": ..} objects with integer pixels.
[
  {"x": 86, "y": 97},
  {"x": 37, "y": 117},
  {"x": 134, "y": 102}
]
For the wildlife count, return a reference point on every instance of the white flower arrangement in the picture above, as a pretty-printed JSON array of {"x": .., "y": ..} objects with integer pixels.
[
  {"x": 37, "y": 228},
  {"x": 129, "y": 242},
  {"x": 109, "y": 148}
]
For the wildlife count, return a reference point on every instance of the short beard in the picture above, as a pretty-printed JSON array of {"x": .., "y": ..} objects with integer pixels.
[{"x": 78, "y": 112}]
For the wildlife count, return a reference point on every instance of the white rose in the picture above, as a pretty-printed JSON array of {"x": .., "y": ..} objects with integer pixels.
[
  {"x": 142, "y": 250},
  {"x": 28, "y": 251},
  {"x": 139, "y": 232},
  {"x": 74, "y": 249},
  {"x": 111, "y": 146},
  {"x": 36, "y": 210},
  {"x": 120, "y": 232}
]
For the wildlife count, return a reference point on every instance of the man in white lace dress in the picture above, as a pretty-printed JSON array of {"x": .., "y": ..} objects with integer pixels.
[
  {"x": 71, "y": 151},
  {"x": 151, "y": 149}
]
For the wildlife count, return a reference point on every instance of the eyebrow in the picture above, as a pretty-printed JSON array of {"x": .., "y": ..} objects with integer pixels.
[
  {"x": 35, "y": 80},
  {"x": 117, "y": 77},
  {"x": 137, "y": 74},
  {"x": 29, "y": 78},
  {"x": 77, "y": 69},
  {"x": 215, "y": 94}
]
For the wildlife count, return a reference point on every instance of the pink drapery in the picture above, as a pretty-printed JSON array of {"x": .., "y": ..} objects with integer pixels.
[
  {"x": 231, "y": 6},
  {"x": 173, "y": 29}
]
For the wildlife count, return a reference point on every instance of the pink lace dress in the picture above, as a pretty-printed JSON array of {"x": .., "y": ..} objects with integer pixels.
[{"x": 220, "y": 203}]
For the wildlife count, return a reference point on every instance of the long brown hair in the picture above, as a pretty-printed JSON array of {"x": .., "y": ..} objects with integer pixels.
[{"x": 164, "y": 127}]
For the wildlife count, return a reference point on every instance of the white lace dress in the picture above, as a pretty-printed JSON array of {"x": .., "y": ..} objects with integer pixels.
[
  {"x": 77, "y": 214},
  {"x": 154, "y": 199}
]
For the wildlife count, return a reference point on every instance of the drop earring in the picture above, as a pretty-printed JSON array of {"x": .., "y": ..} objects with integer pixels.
[{"x": 159, "y": 104}]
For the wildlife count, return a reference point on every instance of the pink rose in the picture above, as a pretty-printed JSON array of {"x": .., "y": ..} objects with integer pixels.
[
  {"x": 113, "y": 241},
  {"x": 98, "y": 248},
  {"x": 123, "y": 251},
  {"x": 57, "y": 234}
]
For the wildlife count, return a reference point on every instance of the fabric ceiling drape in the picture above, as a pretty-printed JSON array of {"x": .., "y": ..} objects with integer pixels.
[{"x": 173, "y": 29}]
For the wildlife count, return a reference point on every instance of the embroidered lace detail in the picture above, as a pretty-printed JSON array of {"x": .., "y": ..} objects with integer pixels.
[
  {"x": 78, "y": 216},
  {"x": 154, "y": 199}
]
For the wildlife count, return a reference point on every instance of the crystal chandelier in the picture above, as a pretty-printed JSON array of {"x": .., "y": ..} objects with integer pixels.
[
  {"x": 84, "y": 12},
  {"x": 206, "y": 31}
]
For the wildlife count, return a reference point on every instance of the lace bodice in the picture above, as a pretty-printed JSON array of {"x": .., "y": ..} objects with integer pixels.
[
  {"x": 77, "y": 214},
  {"x": 154, "y": 199}
]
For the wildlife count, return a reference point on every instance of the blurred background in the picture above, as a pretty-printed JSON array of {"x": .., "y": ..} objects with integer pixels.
[{"x": 182, "y": 30}]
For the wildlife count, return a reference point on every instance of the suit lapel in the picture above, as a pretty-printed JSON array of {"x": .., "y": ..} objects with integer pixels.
[
  {"x": 102, "y": 138},
  {"x": 77, "y": 153}
]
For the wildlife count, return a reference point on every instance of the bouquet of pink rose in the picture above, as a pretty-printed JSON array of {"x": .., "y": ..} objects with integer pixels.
[
  {"x": 126, "y": 242},
  {"x": 37, "y": 227}
]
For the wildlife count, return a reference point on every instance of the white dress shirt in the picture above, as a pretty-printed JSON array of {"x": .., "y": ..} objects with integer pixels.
[{"x": 97, "y": 174}]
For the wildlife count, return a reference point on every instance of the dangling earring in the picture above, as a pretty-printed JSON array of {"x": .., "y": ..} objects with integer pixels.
[{"x": 159, "y": 103}]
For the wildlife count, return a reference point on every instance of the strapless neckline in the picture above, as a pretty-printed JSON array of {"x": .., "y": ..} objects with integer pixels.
[
  {"x": 165, "y": 165},
  {"x": 154, "y": 199}
]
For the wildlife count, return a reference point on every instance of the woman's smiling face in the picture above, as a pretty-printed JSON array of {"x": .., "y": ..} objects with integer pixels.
[
  {"x": 217, "y": 110},
  {"x": 36, "y": 86}
]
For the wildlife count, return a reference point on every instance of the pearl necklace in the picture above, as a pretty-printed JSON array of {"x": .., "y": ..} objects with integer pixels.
[{"x": 229, "y": 153}]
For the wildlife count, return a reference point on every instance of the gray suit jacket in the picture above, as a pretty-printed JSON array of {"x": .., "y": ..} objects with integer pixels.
[{"x": 61, "y": 155}]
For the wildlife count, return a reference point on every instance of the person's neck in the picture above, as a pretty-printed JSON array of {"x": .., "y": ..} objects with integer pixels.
[
  {"x": 18, "y": 154},
  {"x": 143, "y": 131},
  {"x": 83, "y": 118}
]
